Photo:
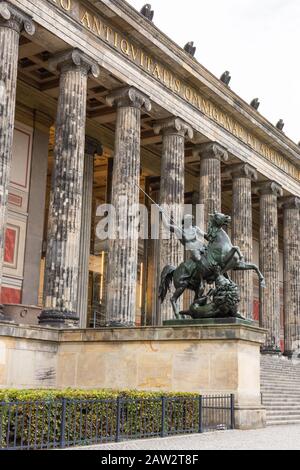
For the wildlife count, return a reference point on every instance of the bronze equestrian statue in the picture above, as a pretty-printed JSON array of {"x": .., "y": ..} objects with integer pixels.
[{"x": 208, "y": 265}]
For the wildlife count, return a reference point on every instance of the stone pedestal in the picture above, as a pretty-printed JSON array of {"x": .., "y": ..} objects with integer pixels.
[
  {"x": 171, "y": 250},
  {"x": 12, "y": 23},
  {"x": 64, "y": 224},
  {"x": 211, "y": 359},
  {"x": 211, "y": 156},
  {"x": 269, "y": 264},
  {"x": 242, "y": 176},
  {"x": 291, "y": 274},
  {"x": 123, "y": 250}
]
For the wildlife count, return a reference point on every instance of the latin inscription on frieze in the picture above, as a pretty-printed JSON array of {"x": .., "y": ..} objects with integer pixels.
[{"x": 94, "y": 23}]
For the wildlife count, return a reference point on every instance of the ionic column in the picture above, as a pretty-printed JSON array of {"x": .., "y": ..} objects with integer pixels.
[
  {"x": 12, "y": 23},
  {"x": 123, "y": 251},
  {"x": 92, "y": 148},
  {"x": 152, "y": 253},
  {"x": 243, "y": 175},
  {"x": 291, "y": 274},
  {"x": 64, "y": 224},
  {"x": 211, "y": 156},
  {"x": 269, "y": 263},
  {"x": 174, "y": 132}
]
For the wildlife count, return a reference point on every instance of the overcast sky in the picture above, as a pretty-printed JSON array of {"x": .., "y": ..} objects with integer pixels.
[{"x": 256, "y": 40}]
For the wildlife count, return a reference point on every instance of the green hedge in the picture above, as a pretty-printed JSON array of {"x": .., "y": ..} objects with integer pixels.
[
  {"x": 23, "y": 395},
  {"x": 93, "y": 418}
]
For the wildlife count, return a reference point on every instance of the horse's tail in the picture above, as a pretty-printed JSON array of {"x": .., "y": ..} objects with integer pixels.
[{"x": 166, "y": 281}]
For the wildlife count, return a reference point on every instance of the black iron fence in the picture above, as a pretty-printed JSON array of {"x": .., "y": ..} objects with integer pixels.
[{"x": 50, "y": 424}]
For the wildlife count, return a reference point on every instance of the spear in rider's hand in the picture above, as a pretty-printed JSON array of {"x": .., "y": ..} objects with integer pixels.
[{"x": 159, "y": 207}]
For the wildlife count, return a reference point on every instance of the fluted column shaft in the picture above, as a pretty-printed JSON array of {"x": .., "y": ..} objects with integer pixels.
[
  {"x": 152, "y": 253},
  {"x": 12, "y": 22},
  {"x": 65, "y": 213},
  {"x": 92, "y": 148},
  {"x": 242, "y": 236},
  {"x": 171, "y": 251},
  {"x": 123, "y": 250},
  {"x": 291, "y": 274},
  {"x": 210, "y": 192},
  {"x": 269, "y": 264}
]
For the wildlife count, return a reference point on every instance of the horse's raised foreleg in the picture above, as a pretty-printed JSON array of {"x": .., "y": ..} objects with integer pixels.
[
  {"x": 178, "y": 293},
  {"x": 230, "y": 261},
  {"x": 242, "y": 266}
]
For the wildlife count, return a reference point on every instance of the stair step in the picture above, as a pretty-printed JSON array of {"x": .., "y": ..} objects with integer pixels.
[
  {"x": 280, "y": 387},
  {"x": 279, "y": 379},
  {"x": 284, "y": 371},
  {"x": 280, "y": 403},
  {"x": 278, "y": 383},
  {"x": 282, "y": 422},
  {"x": 281, "y": 396},
  {"x": 284, "y": 408},
  {"x": 282, "y": 374}
]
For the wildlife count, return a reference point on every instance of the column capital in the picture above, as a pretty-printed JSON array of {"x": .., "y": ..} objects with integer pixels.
[
  {"x": 211, "y": 150},
  {"x": 268, "y": 187},
  {"x": 290, "y": 202},
  {"x": 12, "y": 17},
  {"x": 242, "y": 170},
  {"x": 174, "y": 125},
  {"x": 129, "y": 97},
  {"x": 92, "y": 147},
  {"x": 74, "y": 58}
]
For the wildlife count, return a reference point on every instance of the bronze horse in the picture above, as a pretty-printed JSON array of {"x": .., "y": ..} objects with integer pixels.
[{"x": 219, "y": 258}]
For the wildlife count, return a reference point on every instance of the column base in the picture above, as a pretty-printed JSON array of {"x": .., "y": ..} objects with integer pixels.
[
  {"x": 57, "y": 319},
  {"x": 271, "y": 351}
]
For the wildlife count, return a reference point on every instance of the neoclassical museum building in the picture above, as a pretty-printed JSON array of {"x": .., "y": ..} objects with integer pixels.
[{"x": 96, "y": 102}]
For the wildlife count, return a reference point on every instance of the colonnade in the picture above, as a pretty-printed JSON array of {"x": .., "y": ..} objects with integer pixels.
[{"x": 70, "y": 193}]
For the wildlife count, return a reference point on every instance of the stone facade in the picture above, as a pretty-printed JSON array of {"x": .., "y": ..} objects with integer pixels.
[
  {"x": 158, "y": 115},
  {"x": 66, "y": 273}
]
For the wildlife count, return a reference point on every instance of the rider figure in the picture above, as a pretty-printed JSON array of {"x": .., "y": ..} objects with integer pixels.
[{"x": 189, "y": 235}]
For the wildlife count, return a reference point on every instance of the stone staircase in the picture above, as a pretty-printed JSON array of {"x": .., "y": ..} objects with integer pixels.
[{"x": 280, "y": 387}]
